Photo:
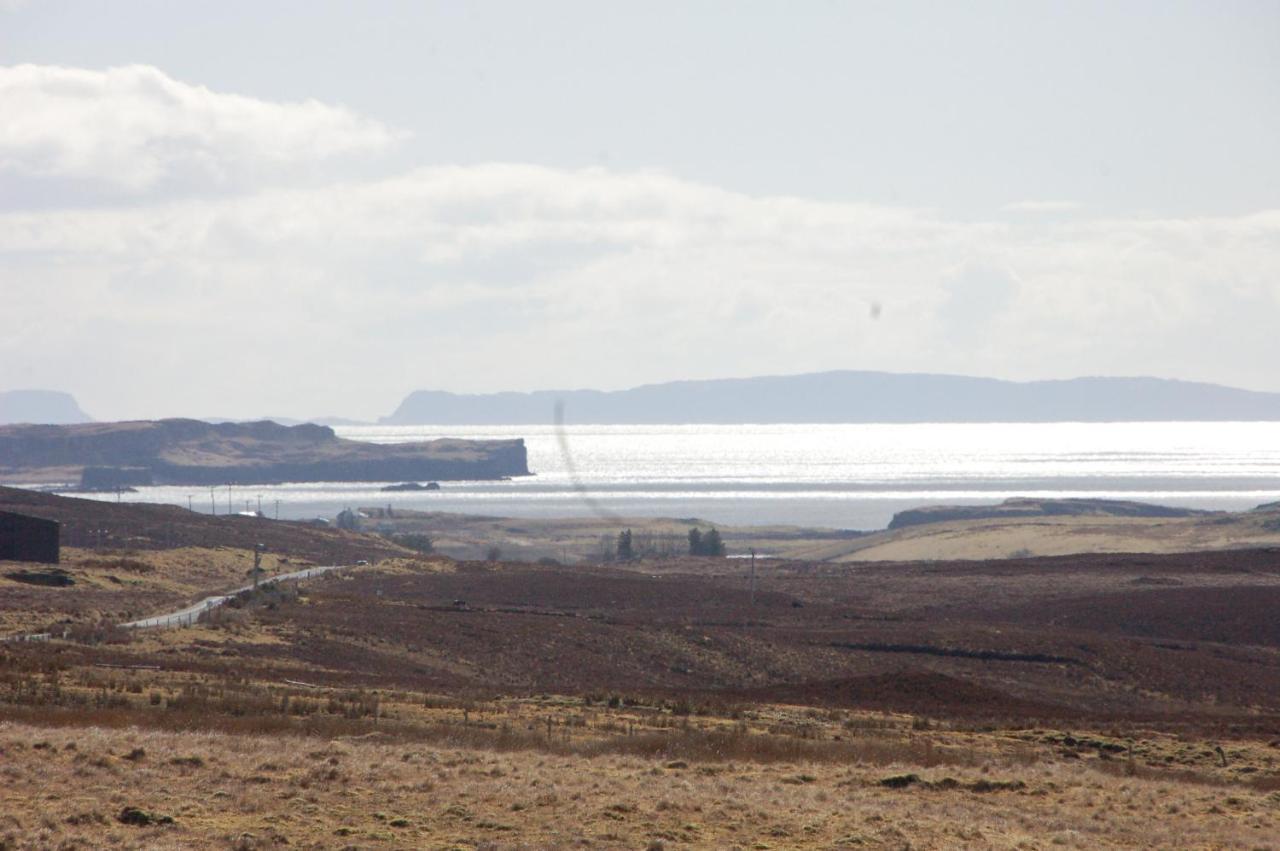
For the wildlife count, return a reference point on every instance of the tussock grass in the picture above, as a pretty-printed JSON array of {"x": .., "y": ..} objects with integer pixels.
[{"x": 85, "y": 788}]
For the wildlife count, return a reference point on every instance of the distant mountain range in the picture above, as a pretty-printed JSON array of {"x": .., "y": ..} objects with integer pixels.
[
  {"x": 852, "y": 397},
  {"x": 820, "y": 397},
  {"x": 40, "y": 406}
]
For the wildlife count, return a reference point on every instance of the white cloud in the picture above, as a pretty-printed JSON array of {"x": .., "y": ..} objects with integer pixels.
[
  {"x": 977, "y": 294},
  {"x": 231, "y": 264},
  {"x": 342, "y": 298},
  {"x": 134, "y": 127}
]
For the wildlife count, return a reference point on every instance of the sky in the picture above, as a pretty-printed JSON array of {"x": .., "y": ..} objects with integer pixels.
[{"x": 309, "y": 208}]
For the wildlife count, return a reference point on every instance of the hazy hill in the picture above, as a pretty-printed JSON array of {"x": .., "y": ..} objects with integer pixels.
[
  {"x": 289, "y": 421},
  {"x": 852, "y": 397},
  {"x": 40, "y": 406}
]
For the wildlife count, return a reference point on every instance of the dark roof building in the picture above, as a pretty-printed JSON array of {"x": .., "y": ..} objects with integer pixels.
[{"x": 26, "y": 538}]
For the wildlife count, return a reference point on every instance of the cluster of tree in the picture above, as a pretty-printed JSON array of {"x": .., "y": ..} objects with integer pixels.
[
  {"x": 630, "y": 545},
  {"x": 709, "y": 544}
]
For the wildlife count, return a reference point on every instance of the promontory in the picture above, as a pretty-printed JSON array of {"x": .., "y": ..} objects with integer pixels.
[{"x": 193, "y": 452}]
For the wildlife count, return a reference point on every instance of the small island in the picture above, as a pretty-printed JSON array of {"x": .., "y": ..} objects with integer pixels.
[{"x": 411, "y": 486}]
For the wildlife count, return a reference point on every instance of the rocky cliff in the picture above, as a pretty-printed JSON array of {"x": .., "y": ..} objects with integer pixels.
[{"x": 192, "y": 452}]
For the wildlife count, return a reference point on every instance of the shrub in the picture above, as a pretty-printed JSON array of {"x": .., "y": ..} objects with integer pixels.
[{"x": 416, "y": 541}]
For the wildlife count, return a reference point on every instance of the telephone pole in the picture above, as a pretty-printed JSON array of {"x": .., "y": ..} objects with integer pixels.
[
  {"x": 257, "y": 563},
  {"x": 753, "y": 576}
]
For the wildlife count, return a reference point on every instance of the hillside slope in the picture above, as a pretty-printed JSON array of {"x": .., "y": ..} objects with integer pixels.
[
  {"x": 146, "y": 526},
  {"x": 1013, "y": 536}
]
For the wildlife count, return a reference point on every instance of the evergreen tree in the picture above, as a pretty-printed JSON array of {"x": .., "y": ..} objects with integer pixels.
[
  {"x": 712, "y": 545},
  {"x": 625, "y": 553},
  {"x": 695, "y": 542}
]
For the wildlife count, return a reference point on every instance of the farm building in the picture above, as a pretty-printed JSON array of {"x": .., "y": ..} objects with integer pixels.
[{"x": 25, "y": 538}]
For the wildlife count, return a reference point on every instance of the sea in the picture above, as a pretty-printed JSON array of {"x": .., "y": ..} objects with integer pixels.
[{"x": 836, "y": 476}]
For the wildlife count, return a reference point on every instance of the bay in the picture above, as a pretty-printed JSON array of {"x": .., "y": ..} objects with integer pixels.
[{"x": 842, "y": 476}]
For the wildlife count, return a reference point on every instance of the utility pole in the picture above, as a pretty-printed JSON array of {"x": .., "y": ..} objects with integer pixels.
[
  {"x": 189, "y": 502},
  {"x": 257, "y": 563},
  {"x": 229, "y": 509},
  {"x": 753, "y": 576},
  {"x": 213, "y": 506},
  {"x": 277, "y": 509},
  {"x": 259, "y": 505}
]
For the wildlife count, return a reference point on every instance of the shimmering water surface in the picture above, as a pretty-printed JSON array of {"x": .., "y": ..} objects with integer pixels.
[{"x": 845, "y": 476}]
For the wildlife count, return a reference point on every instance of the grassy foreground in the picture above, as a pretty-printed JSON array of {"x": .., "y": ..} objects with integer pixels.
[{"x": 133, "y": 788}]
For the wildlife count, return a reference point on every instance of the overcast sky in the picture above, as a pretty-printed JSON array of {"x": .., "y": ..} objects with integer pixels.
[{"x": 248, "y": 208}]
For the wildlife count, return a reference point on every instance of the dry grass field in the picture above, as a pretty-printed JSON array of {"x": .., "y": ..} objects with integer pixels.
[
  {"x": 147, "y": 789},
  {"x": 1054, "y": 536}
]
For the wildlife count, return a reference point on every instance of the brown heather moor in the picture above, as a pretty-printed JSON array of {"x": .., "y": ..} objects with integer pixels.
[{"x": 1080, "y": 702}]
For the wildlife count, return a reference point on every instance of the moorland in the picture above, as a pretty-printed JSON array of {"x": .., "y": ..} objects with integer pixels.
[{"x": 1085, "y": 700}]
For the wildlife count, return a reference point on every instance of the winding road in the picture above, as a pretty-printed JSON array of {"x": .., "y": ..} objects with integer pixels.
[
  {"x": 189, "y": 615},
  {"x": 192, "y": 613}
]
